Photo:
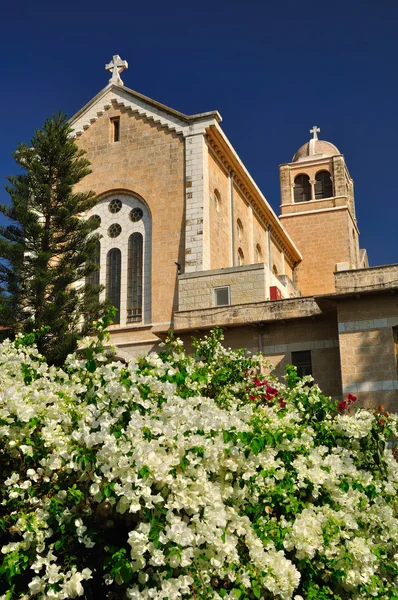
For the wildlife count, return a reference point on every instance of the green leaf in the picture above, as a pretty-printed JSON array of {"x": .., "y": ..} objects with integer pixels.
[
  {"x": 91, "y": 366},
  {"x": 144, "y": 472}
]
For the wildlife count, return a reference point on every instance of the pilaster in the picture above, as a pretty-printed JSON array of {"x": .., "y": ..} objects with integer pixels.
[{"x": 197, "y": 223}]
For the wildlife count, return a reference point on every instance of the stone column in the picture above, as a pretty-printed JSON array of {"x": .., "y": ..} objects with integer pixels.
[
  {"x": 286, "y": 186},
  {"x": 197, "y": 225}
]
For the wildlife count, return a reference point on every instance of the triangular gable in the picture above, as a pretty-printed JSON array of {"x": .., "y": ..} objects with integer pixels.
[{"x": 137, "y": 104}]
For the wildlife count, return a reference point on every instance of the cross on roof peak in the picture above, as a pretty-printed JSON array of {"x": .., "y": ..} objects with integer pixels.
[
  {"x": 116, "y": 66},
  {"x": 315, "y": 130}
]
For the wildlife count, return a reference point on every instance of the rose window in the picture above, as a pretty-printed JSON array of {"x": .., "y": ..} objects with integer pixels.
[
  {"x": 136, "y": 215},
  {"x": 114, "y": 230},
  {"x": 115, "y": 205}
]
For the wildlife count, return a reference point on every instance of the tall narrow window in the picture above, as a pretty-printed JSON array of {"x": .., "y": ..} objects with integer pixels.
[
  {"x": 217, "y": 200},
  {"x": 115, "y": 129},
  {"x": 395, "y": 336},
  {"x": 241, "y": 257},
  {"x": 323, "y": 185},
  {"x": 239, "y": 229},
  {"x": 302, "y": 188},
  {"x": 113, "y": 272},
  {"x": 134, "y": 274},
  {"x": 94, "y": 277}
]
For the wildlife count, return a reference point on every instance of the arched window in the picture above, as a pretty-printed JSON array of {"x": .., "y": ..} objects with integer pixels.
[
  {"x": 275, "y": 270},
  {"x": 113, "y": 273},
  {"x": 94, "y": 277},
  {"x": 134, "y": 278},
  {"x": 239, "y": 228},
  {"x": 241, "y": 257},
  {"x": 259, "y": 253},
  {"x": 217, "y": 200},
  {"x": 125, "y": 224},
  {"x": 302, "y": 188},
  {"x": 323, "y": 185}
]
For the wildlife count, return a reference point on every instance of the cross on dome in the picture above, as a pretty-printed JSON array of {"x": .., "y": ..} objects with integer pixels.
[
  {"x": 315, "y": 130},
  {"x": 116, "y": 66}
]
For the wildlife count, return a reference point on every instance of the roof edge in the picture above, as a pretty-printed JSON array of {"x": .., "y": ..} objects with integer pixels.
[{"x": 187, "y": 118}]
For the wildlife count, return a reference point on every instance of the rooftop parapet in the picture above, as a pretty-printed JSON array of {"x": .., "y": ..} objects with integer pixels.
[{"x": 366, "y": 280}]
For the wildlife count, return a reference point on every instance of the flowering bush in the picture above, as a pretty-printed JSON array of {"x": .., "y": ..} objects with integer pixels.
[{"x": 193, "y": 477}]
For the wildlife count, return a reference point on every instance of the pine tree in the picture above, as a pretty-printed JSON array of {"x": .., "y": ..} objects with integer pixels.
[{"x": 47, "y": 250}]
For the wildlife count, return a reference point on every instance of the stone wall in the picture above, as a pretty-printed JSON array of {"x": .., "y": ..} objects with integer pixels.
[
  {"x": 149, "y": 162},
  {"x": 368, "y": 353},
  {"x": 247, "y": 284},
  {"x": 367, "y": 279},
  {"x": 324, "y": 240},
  {"x": 255, "y": 312},
  {"x": 220, "y": 215},
  {"x": 277, "y": 340}
]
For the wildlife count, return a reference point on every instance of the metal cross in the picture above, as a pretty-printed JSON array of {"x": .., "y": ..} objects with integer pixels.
[
  {"x": 315, "y": 130},
  {"x": 117, "y": 65}
]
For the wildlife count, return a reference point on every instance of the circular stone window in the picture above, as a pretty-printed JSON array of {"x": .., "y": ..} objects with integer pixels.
[
  {"x": 115, "y": 205},
  {"x": 136, "y": 215},
  {"x": 114, "y": 230}
]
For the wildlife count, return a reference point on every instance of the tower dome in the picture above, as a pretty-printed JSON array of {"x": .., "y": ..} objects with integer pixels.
[{"x": 315, "y": 147}]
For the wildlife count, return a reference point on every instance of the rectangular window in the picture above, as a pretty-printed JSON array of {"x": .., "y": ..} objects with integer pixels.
[
  {"x": 302, "y": 360},
  {"x": 222, "y": 296},
  {"x": 115, "y": 129}
]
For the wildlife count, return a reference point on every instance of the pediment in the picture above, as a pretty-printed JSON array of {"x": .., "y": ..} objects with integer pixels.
[{"x": 122, "y": 97}]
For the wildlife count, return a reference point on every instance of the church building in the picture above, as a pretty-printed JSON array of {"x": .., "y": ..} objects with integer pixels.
[{"x": 190, "y": 242}]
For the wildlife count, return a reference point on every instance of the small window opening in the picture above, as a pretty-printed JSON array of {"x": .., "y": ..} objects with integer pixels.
[
  {"x": 222, "y": 296},
  {"x": 303, "y": 361},
  {"x": 323, "y": 185},
  {"x": 275, "y": 270},
  {"x": 115, "y": 129},
  {"x": 241, "y": 257},
  {"x": 259, "y": 254},
  {"x": 395, "y": 335},
  {"x": 217, "y": 200},
  {"x": 239, "y": 228},
  {"x": 302, "y": 188}
]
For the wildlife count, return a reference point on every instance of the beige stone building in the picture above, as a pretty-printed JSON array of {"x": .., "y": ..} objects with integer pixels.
[{"x": 189, "y": 242}]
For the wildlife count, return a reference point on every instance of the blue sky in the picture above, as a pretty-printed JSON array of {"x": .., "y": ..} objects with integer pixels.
[{"x": 272, "y": 69}]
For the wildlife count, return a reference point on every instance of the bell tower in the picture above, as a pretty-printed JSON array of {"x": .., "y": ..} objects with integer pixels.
[{"x": 318, "y": 212}]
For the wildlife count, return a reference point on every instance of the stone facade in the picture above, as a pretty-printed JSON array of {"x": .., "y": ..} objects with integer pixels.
[
  {"x": 247, "y": 284},
  {"x": 295, "y": 283}
]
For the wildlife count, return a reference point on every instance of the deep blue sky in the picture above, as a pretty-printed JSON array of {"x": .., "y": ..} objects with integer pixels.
[{"x": 272, "y": 69}]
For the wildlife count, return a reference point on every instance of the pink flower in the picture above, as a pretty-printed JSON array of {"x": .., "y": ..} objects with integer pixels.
[
  {"x": 271, "y": 391},
  {"x": 342, "y": 405},
  {"x": 351, "y": 398},
  {"x": 282, "y": 403}
]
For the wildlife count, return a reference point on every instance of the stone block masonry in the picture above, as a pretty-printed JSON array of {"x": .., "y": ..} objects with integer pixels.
[
  {"x": 247, "y": 284},
  {"x": 197, "y": 226}
]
